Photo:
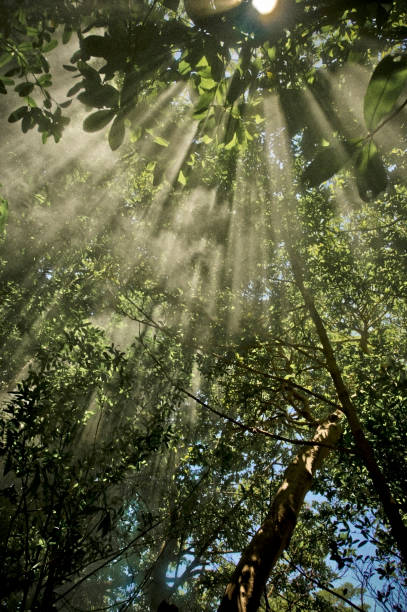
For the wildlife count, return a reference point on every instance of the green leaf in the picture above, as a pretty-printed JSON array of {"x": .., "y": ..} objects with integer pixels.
[
  {"x": 326, "y": 163},
  {"x": 181, "y": 178},
  {"x": 207, "y": 83},
  {"x": 158, "y": 140},
  {"x": 97, "y": 46},
  {"x": 232, "y": 143},
  {"x": 77, "y": 87},
  {"x": 385, "y": 86},
  {"x": 3, "y": 213},
  {"x": 105, "y": 95},
  {"x": 25, "y": 46},
  {"x": 161, "y": 141},
  {"x": 5, "y": 58},
  {"x": 18, "y": 114},
  {"x": 97, "y": 121},
  {"x": 203, "y": 104},
  {"x": 67, "y": 33},
  {"x": 27, "y": 123},
  {"x": 236, "y": 88},
  {"x": 371, "y": 176},
  {"x": 184, "y": 68},
  {"x": 49, "y": 46},
  {"x": 24, "y": 89},
  {"x": 6, "y": 80},
  {"x": 271, "y": 52},
  {"x": 116, "y": 133}
]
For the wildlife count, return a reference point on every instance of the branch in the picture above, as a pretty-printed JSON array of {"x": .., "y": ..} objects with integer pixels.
[
  {"x": 292, "y": 384},
  {"x": 322, "y": 586},
  {"x": 257, "y": 430}
]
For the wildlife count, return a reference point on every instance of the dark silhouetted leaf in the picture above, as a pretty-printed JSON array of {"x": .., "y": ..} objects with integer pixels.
[
  {"x": 89, "y": 73},
  {"x": 326, "y": 163},
  {"x": 97, "y": 46},
  {"x": 77, "y": 87},
  {"x": 18, "y": 114},
  {"x": 237, "y": 87},
  {"x": 385, "y": 86},
  {"x": 100, "y": 96},
  {"x": 24, "y": 89},
  {"x": 371, "y": 175},
  {"x": 116, "y": 133},
  {"x": 203, "y": 104},
  {"x": 67, "y": 33},
  {"x": 97, "y": 121},
  {"x": 171, "y": 4},
  {"x": 27, "y": 123}
]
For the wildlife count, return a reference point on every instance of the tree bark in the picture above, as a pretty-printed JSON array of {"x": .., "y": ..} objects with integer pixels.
[
  {"x": 244, "y": 591},
  {"x": 364, "y": 448}
]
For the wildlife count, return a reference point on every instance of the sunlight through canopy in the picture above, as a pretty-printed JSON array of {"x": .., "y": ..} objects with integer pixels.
[{"x": 264, "y": 7}]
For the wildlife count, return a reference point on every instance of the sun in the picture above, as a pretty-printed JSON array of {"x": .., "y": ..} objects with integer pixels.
[{"x": 264, "y": 7}]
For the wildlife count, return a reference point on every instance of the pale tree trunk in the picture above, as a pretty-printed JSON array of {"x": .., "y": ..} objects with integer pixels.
[
  {"x": 364, "y": 448},
  {"x": 158, "y": 589},
  {"x": 248, "y": 582}
]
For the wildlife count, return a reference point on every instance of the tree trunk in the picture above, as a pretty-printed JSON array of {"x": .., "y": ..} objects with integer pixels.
[
  {"x": 391, "y": 509},
  {"x": 247, "y": 584}
]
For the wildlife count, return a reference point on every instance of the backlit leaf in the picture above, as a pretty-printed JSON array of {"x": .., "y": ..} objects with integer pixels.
[
  {"x": 385, "y": 86},
  {"x": 161, "y": 141},
  {"x": 232, "y": 143},
  {"x": 371, "y": 176},
  {"x": 181, "y": 178}
]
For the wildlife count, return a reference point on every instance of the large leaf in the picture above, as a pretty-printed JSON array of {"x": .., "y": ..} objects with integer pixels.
[
  {"x": 116, "y": 133},
  {"x": 326, "y": 163},
  {"x": 237, "y": 86},
  {"x": 97, "y": 121},
  {"x": 371, "y": 174},
  {"x": 385, "y": 86},
  {"x": 97, "y": 46},
  {"x": 98, "y": 97}
]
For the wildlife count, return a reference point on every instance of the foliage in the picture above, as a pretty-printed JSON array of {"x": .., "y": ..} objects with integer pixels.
[{"x": 163, "y": 360}]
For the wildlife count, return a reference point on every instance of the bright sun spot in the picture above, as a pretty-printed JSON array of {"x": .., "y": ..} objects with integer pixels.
[{"x": 264, "y": 6}]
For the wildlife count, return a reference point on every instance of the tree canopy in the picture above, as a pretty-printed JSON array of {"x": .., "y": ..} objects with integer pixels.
[{"x": 203, "y": 305}]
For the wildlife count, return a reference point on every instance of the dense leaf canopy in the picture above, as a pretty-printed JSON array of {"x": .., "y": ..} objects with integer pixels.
[{"x": 203, "y": 305}]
